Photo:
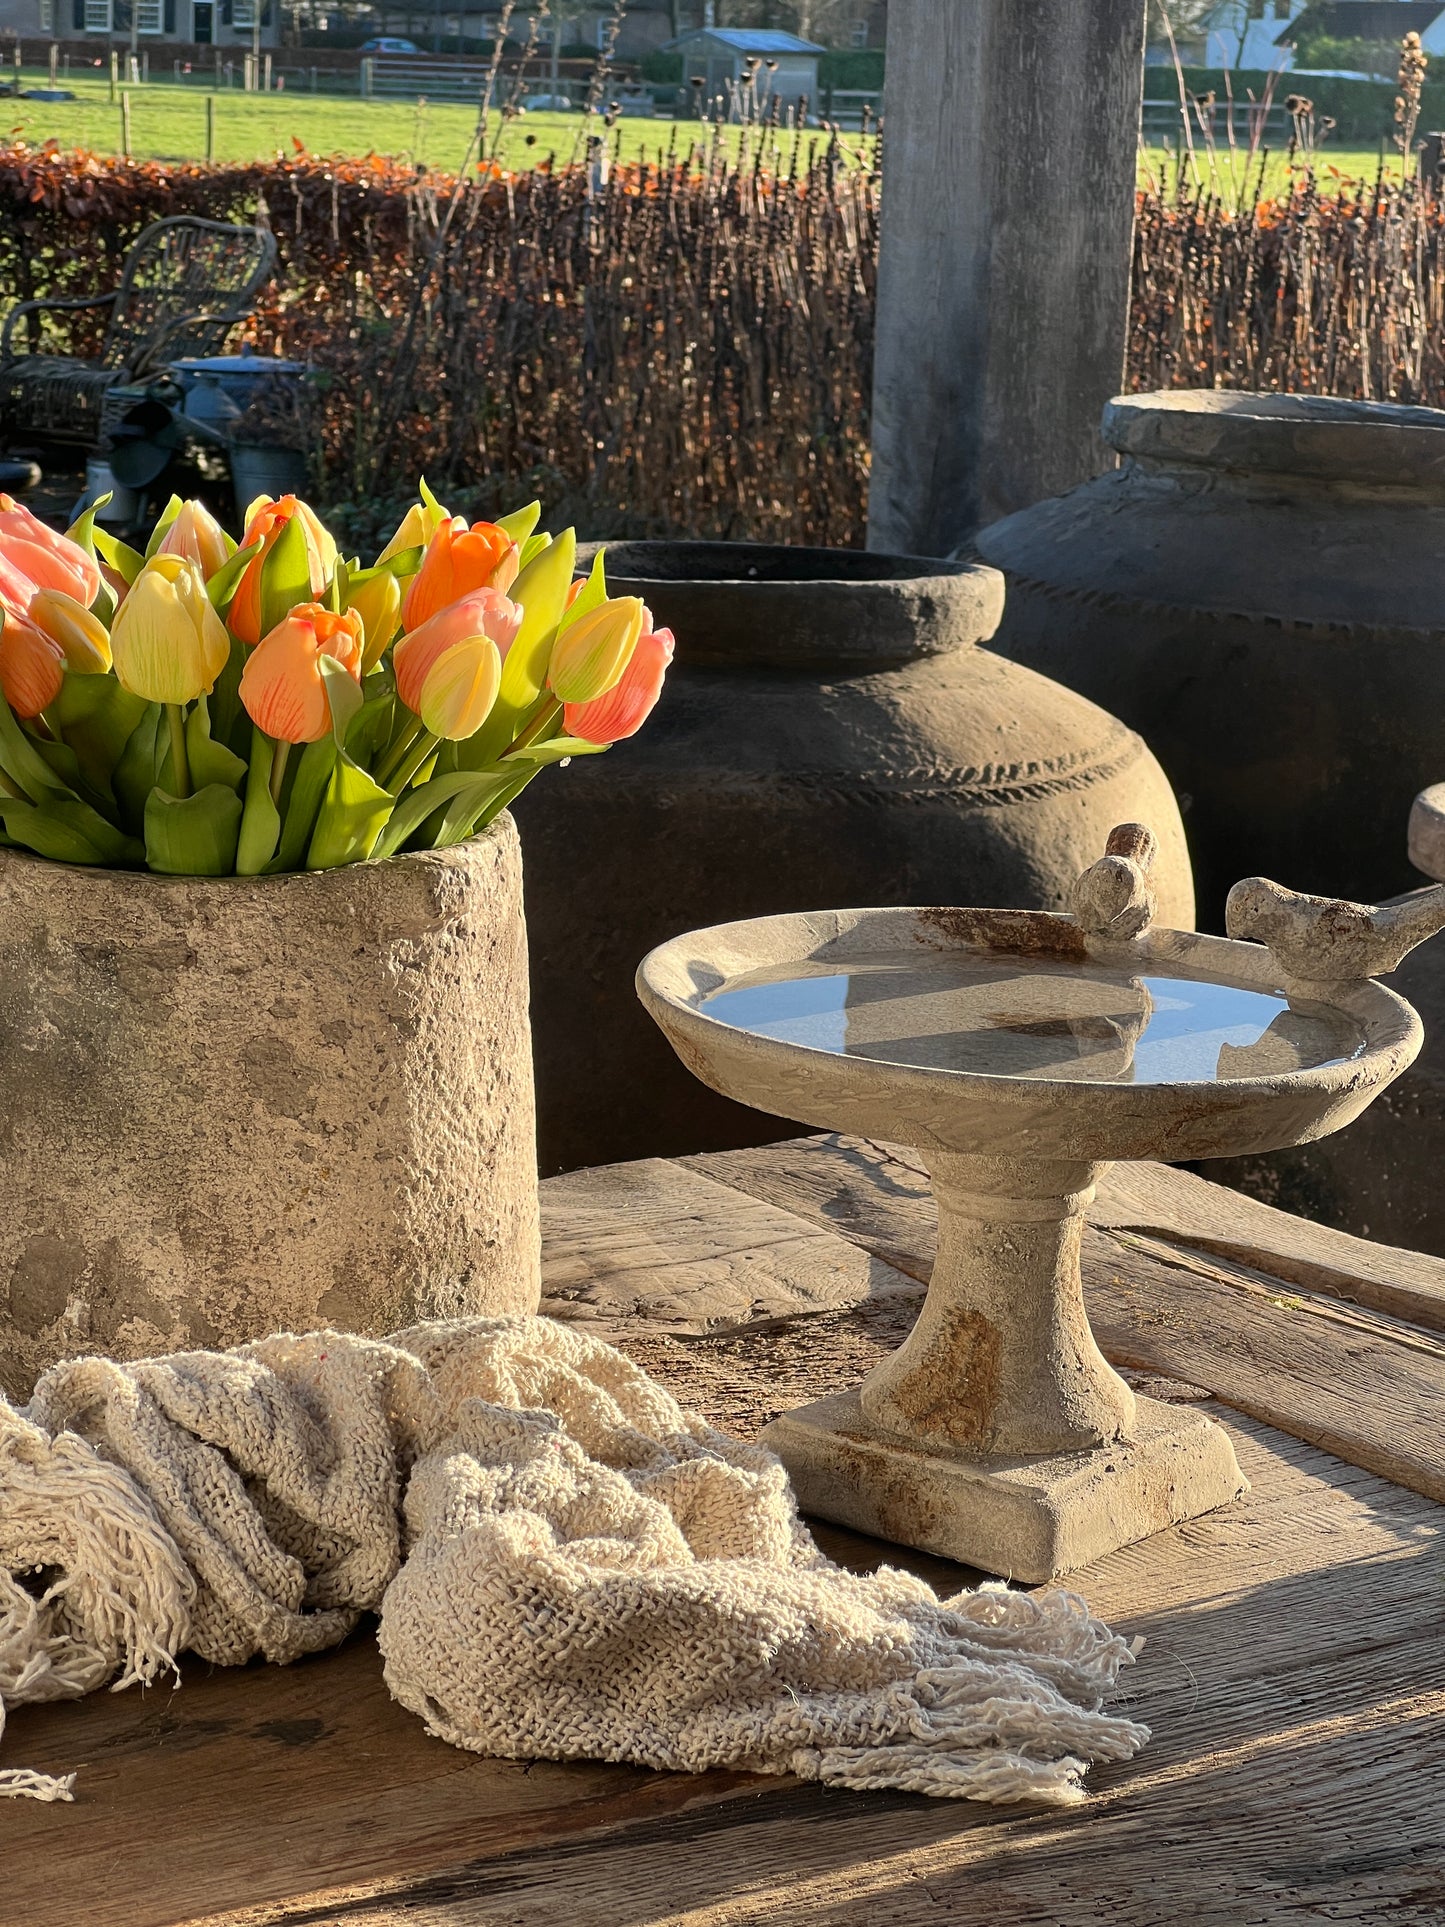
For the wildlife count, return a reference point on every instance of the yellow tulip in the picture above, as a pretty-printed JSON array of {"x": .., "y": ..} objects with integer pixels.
[
  {"x": 81, "y": 637},
  {"x": 197, "y": 534},
  {"x": 168, "y": 643},
  {"x": 378, "y": 603},
  {"x": 460, "y": 688},
  {"x": 591, "y": 654}
]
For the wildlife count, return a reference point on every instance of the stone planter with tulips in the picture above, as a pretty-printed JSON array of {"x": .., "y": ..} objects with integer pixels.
[{"x": 256, "y": 1076}]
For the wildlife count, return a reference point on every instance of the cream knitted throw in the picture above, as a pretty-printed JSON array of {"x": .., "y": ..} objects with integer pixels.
[{"x": 565, "y": 1562}]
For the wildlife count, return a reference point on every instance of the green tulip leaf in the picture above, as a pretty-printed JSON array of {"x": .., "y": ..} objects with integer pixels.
[
  {"x": 126, "y": 561},
  {"x": 34, "y": 827},
  {"x": 343, "y": 695},
  {"x": 529, "y": 550},
  {"x": 222, "y": 587},
  {"x": 590, "y": 596},
  {"x": 138, "y": 771},
  {"x": 352, "y": 817},
  {"x": 521, "y": 523},
  {"x": 429, "y": 500},
  {"x": 96, "y": 717},
  {"x": 163, "y": 527},
  {"x": 22, "y": 762},
  {"x": 313, "y": 774},
  {"x": 559, "y": 749},
  {"x": 418, "y": 804},
  {"x": 260, "y": 819},
  {"x": 193, "y": 836},
  {"x": 285, "y": 575},
  {"x": 210, "y": 761}
]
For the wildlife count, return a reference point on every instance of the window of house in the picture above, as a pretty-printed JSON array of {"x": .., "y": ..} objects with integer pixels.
[
  {"x": 97, "y": 16},
  {"x": 243, "y": 13},
  {"x": 150, "y": 16},
  {"x": 47, "y": 16},
  {"x": 860, "y": 33}
]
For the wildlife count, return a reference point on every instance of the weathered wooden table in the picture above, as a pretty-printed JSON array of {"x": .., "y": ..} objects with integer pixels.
[{"x": 1294, "y": 1672}]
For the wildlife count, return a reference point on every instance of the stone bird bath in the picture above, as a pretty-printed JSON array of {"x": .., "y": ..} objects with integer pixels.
[{"x": 1020, "y": 1052}]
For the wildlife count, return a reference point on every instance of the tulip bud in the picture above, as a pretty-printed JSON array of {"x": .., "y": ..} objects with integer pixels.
[
  {"x": 627, "y": 706},
  {"x": 460, "y": 688},
  {"x": 264, "y": 524},
  {"x": 458, "y": 561},
  {"x": 32, "y": 668},
  {"x": 167, "y": 642},
  {"x": 282, "y": 687},
  {"x": 46, "y": 560},
  {"x": 590, "y": 654},
  {"x": 483, "y": 613},
  {"x": 197, "y": 534},
  {"x": 82, "y": 638},
  {"x": 378, "y": 602}
]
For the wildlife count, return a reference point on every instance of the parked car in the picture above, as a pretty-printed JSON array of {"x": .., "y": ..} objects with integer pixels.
[
  {"x": 388, "y": 45},
  {"x": 548, "y": 104}
]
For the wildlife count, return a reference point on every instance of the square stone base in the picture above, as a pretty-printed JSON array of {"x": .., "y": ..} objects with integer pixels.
[{"x": 1025, "y": 1519}]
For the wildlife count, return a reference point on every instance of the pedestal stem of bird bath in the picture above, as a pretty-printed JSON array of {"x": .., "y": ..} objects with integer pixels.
[{"x": 1002, "y": 1361}]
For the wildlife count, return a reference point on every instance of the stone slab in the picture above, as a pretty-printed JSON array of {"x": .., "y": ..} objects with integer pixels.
[{"x": 1025, "y": 1519}]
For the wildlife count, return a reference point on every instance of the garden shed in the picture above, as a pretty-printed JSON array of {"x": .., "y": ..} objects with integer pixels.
[{"x": 727, "y": 60}]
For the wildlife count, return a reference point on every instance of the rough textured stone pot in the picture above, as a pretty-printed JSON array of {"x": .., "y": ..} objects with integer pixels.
[
  {"x": 234, "y": 1106},
  {"x": 830, "y": 733},
  {"x": 1259, "y": 591}
]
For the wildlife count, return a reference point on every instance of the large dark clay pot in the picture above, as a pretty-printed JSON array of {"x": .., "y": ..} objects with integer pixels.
[
  {"x": 1260, "y": 591},
  {"x": 830, "y": 735}
]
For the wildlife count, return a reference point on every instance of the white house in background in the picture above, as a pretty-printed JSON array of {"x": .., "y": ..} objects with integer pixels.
[
  {"x": 1245, "y": 34},
  {"x": 1381, "y": 22}
]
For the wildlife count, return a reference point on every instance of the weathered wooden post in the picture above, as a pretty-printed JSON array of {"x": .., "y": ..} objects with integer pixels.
[{"x": 1008, "y": 204}]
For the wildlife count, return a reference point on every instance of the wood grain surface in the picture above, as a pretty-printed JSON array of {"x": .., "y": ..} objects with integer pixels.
[{"x": 1294, "y": 1666}]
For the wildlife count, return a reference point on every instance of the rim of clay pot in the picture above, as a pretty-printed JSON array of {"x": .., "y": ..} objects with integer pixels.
[
  {"x": 901, "y": 607},
  {"x": 320, "y": 879},
  {"x": 1313, "y": 437}
]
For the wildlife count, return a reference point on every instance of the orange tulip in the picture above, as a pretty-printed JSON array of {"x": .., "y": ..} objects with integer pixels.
[
  {"x": 590, "y": 654},
  {"x": 459, "y": 560},
  {"x": 45, "y": 559},
  {"x": 483, "y": 613},
  {"x": 31, "y": 667},
  {"x": 282, "y": 687},
  {"x": 265, "y": 523},
  {"x": 627, "y": 706},
  {"x": 197, "y": 534}
]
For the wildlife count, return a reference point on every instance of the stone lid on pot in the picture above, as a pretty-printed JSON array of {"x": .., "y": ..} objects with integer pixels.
[
  {"x": 769, "y": 606},
  {"x": 1311, "y": 437}
]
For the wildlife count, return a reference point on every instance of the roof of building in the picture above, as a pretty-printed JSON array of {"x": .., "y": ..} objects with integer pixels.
[
  {"x": 1364, "y": 19},
  {"x": 751, "y": 40}
]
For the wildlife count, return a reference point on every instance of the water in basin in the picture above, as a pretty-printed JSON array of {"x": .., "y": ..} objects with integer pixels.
[{"x": 1006, "y": 1016}]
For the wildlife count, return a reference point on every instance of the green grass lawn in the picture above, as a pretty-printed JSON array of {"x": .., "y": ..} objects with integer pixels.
[
  {"x": 1332, "y": 165},
  {"x": 168, "y": 122}
]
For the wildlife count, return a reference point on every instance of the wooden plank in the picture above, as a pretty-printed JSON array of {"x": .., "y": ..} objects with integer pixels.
[
  {"x": 688, "y": 1253},
  {"x": 1183, "y": 1209}
]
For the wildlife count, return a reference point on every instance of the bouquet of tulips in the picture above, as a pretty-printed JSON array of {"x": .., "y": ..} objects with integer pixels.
[{"x": 210, "y": 708}]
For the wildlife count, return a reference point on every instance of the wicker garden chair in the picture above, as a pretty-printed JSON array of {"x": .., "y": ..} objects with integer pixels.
[{"x": 184, "y": 286}]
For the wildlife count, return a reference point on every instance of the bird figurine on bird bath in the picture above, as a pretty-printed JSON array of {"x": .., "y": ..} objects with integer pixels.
[{"x": 1020, "y": 1052}]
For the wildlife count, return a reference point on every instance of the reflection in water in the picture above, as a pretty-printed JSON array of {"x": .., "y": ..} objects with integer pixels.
[{"x": 1005, "y": 1016}]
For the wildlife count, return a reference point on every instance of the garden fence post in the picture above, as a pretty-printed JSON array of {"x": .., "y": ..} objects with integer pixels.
[
  {"x": 210, "y": 127},
  {"x": 125, "y": 124},
  {"x": 1003, "y": 280},
  {"x": 114, "y": 74},
  {"x": 368, "y": 74},
  {"x": 266, "y": 69},
  {"x": 54, "y": 62}
]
